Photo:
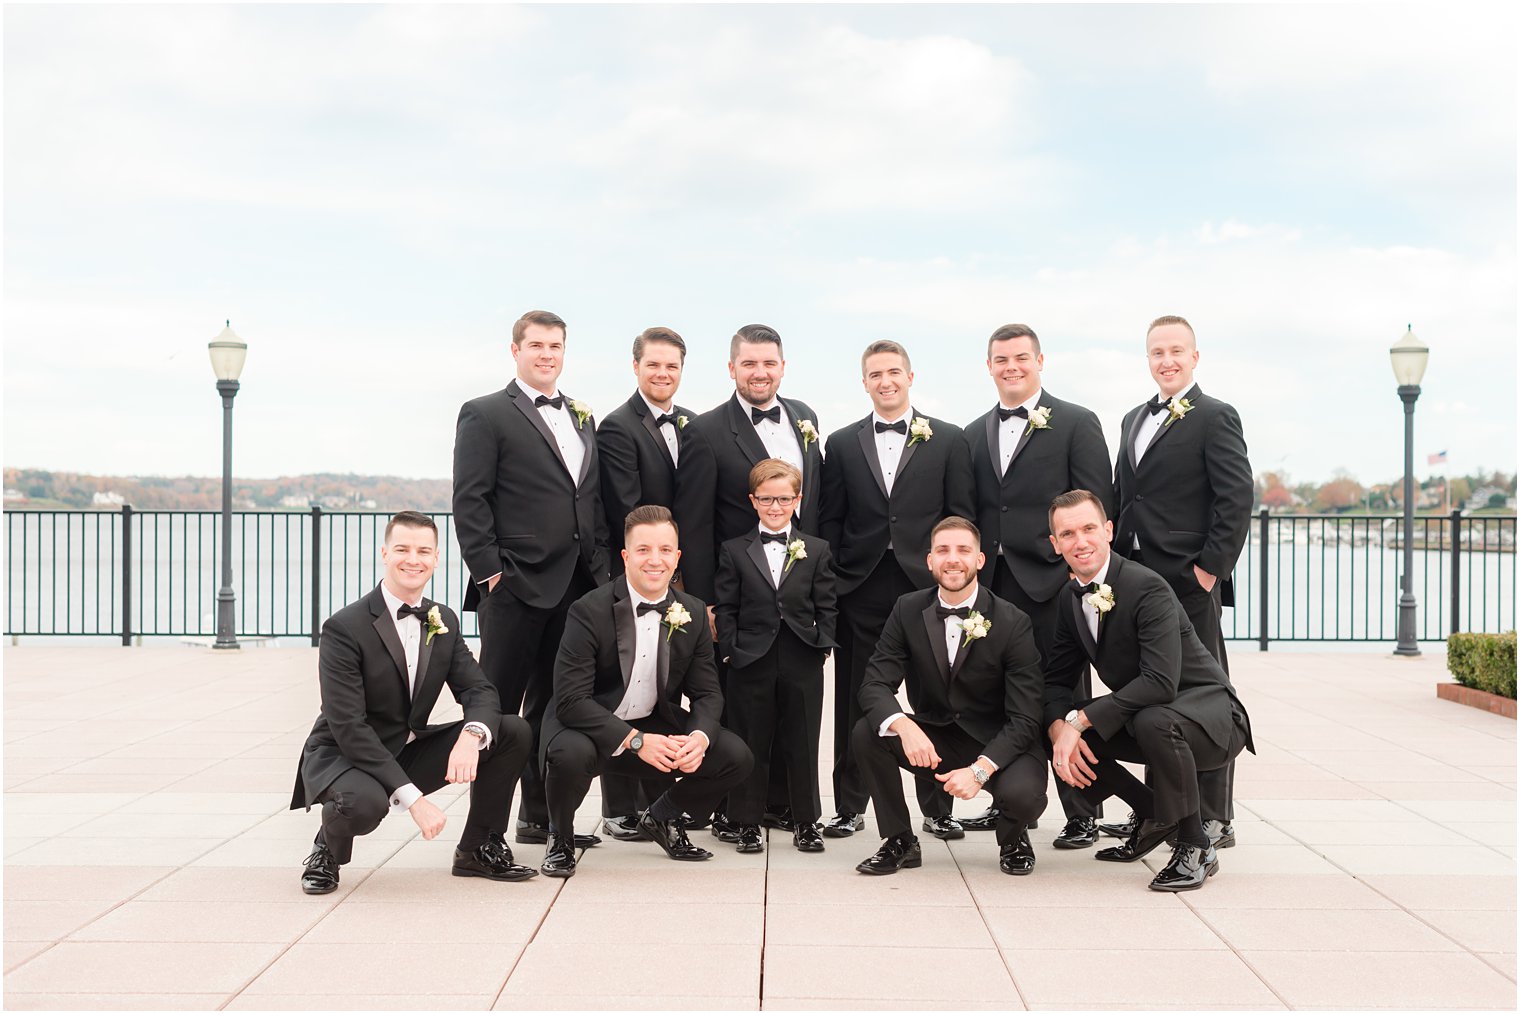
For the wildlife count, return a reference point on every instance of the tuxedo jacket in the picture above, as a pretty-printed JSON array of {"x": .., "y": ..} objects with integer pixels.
[
  {"x": 750, "y": 610},
  {"x": 517, "y": 510},
  {"x": 1012, "y": 507},
  {"x": 595, "y": 662},
  {"x": 366, "y": 710},
  {"x": 1146, "y": 653},
  {"x": 860, "y": 519},
  {"x": 637, "y": 469},
  {"x": 993, "y": 691},
  {"x": 1189, "y": 498}
]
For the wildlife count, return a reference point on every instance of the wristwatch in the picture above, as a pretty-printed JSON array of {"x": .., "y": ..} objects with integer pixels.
[
  {"x": 980, "y": 775},
  {"x": 1071, "y": 720},
  {"x": 477, "y": 733},
  {"x": 637, "y": 742}
]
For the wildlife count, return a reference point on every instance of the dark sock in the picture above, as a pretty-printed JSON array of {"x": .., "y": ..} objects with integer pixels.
[
  {"x": 663, "y": 809},
  {"x": 473, "y": 838},
  {"x": 1190, "y": 831}
]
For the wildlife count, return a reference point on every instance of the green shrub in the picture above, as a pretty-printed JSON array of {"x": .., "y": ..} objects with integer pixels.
[{"x": 1483, "y": 661}]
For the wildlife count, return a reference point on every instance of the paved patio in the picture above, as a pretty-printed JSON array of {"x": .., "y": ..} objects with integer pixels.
[{"x": 150, "y": 863}]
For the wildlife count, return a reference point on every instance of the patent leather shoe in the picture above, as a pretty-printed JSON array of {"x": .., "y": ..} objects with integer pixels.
[
  {"x": 1221, "y": 833},
  {"x": 779, "y": 818},
  {"x": 807, "y": 838},
  {"x": 1123, "y": 829},
  {"x": 1017, "y": 860},
  {"x": 1188, "y": 868},
  {"x": 671, "y": 837},
  {"x": 749, "y": 839},
  {"x": 321, "y": 876},
  {"x": 538, "y": 834},
  {"x": 622, "y": 828},
  {"x": 724, "y": 830},
  {"x": 491, "y": 859},
  {"x": 984, "y": 821},
  {"x": 1079, "y": 833},
  {"x": 944, "y": 828},
  {"x": 899, "y": 852},
  {"x": 559, "y": 860},
  {"x": 691, "y": 823},
  {"x": 844, "y": 824},
  {"x": 1148, "y": 835}
]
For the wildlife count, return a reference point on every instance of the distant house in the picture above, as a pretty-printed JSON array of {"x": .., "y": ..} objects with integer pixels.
[
  {"x": 295, "y": 500},
  {"x": 108, "y": 499},
  {"x": 1488, "y": 496},
  {"x": 15, "y": 496}
]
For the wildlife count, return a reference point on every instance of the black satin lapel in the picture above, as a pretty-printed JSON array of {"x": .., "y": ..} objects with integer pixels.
[
  {"x": 983, "y": 607},
  {"x": 1166, "y": 427},
  {"x": 1082, "y": 631},
  {"x": 1131, "y": 433},
  {"x": 659, "y": 438},
  {"x": 868, "y": 448},
  {"x": 756, "y": 553},
  {"x": 627, "y": 636},
  {"x": 524, "y": 404},
  {"x": 934, "y": 627},
  {"x": 1024, "y": 435},
  {"x": 662, "y": 653},
  {"x": 910, "y": 447},
  {"x": 588, "y": 441},
  {"x": 744, "y": 432},
  {"x": 786, "y": 571},
  {"x": 424, "y": 655},
  {"x": 386, "y": 628},
  {"x": 992, "y": 444}
]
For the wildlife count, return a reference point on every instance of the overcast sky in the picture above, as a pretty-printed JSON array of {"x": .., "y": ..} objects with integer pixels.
[{"x": 374, "y": 194}]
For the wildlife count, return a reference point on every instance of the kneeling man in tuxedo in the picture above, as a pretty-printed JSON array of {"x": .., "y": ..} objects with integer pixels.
[
  {"x": 974, "y": 683},
  {"x": 383, "y": 661},
  {"x": 631, "y": 650},
  {"x": 1172, "y": 707}
]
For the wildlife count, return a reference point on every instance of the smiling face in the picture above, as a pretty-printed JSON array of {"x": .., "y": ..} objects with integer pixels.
[
  {"x": 1015, "y": 368},
  {"x": 1171, "y": 352},
  {"x": 757, "y": 369},
  {"x": 410, "y": 555},
  {"x": 887, "y": 380},
  {"x": 775, "y": 515},
  {"x": 1081, "y": 535},
  {"x": 540, "y": 356},
  {"x": 954, "y": 559},
  {"x": 659, "y": 373},
  {"x": 650, "y": 555}
]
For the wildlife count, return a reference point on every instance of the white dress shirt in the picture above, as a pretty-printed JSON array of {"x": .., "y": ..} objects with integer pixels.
[
  {"x": 567, "y": 434},
  {"x": 775, "y": 552},
  {"x": 1089, "y": 610},
  {"x": 889, "y": 446},
  {"x": 642, "y": 694},
  {"x": 1011, "y": 430},
  {"x": 667, "y": 429},
  {"x": 781, "y": 439}
]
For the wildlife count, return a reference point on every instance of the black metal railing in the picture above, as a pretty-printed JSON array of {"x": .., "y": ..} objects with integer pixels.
[{"x": 130, "y": 574}]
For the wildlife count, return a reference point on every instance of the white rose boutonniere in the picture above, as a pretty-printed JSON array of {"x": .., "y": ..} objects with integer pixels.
[
  {"x": 581, "y": 410},
  {"x": 1102, "y": 600},
  {"x": 975, "y": 626},
  {"x": 681, "y": 421},
  {"x": 435, "y": 624},
  {"x": 1039, "y": 419},
  {"x": 795, "y": 551},
  {"x": 919, "y": 431},
  {"x": 1177, "y": 408},
  {"x": 809, "y": 433},
  {"x": 676, "y": 618}
]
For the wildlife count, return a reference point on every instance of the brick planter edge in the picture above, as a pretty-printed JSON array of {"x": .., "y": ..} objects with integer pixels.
[{"x": 1473, "y": 698}]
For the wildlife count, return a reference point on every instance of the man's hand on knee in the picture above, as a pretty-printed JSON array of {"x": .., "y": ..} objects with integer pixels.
[
  {"x": 428, "y": 817},
  {"x": 916, "y": 746},
  {"x": 464, "y": 759}
]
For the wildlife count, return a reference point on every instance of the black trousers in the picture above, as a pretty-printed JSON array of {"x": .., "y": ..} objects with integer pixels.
[
  {"x": 1017, "y": 790},
  {"x": 1174, "y": 750},
  {"x": 1042, "y": 616},
  {"x": 862, "y": 615},
  {"x": 518, "y": 643},
  {"x": 776, "y": 704},
  {"x": 572, "y": 759},
  {"x": 355, "y": 803}
]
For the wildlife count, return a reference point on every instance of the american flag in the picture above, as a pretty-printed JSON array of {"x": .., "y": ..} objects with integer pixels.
[{"x": 1436, "y": 459}]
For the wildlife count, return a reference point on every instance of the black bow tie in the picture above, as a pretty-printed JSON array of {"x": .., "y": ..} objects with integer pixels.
[
  {"x": 652, "y": 607},
  {"x": 772, "y": 537},
  {"x": 405, "y": 610},
  {"x": 1155, "y": 405},
  {"x": 668, "y": 418},
  {"x": 900, "y": 426},
  {"x": 1089, "y": 588},
  {"x": 773, "y": 414},
  {"x": 1008, "y": 413},
  {"x": 945, "y": 613},
  {"x": 558, "y": 401}
]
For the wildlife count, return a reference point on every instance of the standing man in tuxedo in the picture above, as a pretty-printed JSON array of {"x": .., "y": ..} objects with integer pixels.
[
  {"x": 976, "y": 691},
  {"x": 641, "y": 445},
  {"x": 632, "y": 649},
  {"x": 383, "y": 662},
  {"x": 1184, "y": 490},
  {"x": 1172, "y": 707},
  {"x": 531, "y": 529},
  {"x": 888, "y": 479},
  {"x": 1031, "y": 447}
]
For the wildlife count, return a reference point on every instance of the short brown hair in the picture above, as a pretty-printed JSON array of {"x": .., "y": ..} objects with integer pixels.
[
  {"x": 649, "y": 514},
  {"x": 543, "y": 318},
  {"x": 877, "y": 348},
  {"x": 657, "y": 334},
  {"x": 755, "y": 334},
  {"x": 956, "y": 523},
  {"x": 1008, "y": 331},
  {"x": 410, "y": 519},
  {"x": 1170, "y": 319},
  {"x": 775, "y": 468},
  {"x": 1072, "y": 498}
]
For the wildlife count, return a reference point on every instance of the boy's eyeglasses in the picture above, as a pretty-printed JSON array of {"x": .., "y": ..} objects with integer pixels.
[{"x": 769, "y": 501}]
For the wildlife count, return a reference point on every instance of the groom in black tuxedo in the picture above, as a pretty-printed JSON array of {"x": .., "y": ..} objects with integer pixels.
[
  {"x": 383, "y": 662},
  {"x": 531, "y": 529},
  {"x": 1171, "y": 708},
  {"x": 888, "y": 479}
]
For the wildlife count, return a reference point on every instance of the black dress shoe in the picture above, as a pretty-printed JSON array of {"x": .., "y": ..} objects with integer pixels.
[
  {"x": 749, "y": 839},
  {"x": 1189, "y": 867},
  {"x": 622, "y": 828},
  {"x": 984, "y": 821},
  {"x": 723, "y": 829},
  {"x": 321, "y": 876},
  {"x": 1121, "y": 830},
  {"x": 559, "y": 860},
  {"x": 899, "y": 852},
  {"x": 689, "y": 822},
  {"x": 807, "y": 838},
  {"x": 1148, "y": 835},
  {"x": 944, "y": 828},
  {"x": 1079, "y": 833},
  {"x": 538, "y": 834},
  {"x": 1017, "y": 859},
  {"x": 780, "y": 819},
  {"x": 1221, "y": 833},
  {"x": 843, "y": 825},
  {"x": 493, "y": 860},
  {"x": 671, "y": 837}
]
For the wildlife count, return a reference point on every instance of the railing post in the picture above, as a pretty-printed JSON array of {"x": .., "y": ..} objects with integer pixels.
[
  {"x": 1456, "y": 570},
  {"x": 126, "y": 575},
  {"x": 1264, "y": 560},
  {"x": 316, "y": 574}
]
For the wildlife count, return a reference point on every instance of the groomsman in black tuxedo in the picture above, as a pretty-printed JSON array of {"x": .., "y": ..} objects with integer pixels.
[
  {"x": 1184, "y": 490},
  {"x": 383, "y": 662},
  {"x": 632, "y": 649},
  {"x": 1172, "y": 707},
  {"x": 1028, "y": 449},
  {"x": 531, "y": 529},
  {"x": 975, "y": 687},
  {"x": 888, "y": 479},
  {"x": 641, "y": 445}
]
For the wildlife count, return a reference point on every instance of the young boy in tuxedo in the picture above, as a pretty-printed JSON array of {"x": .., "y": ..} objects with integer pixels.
[{"x": 775, "y": 613}]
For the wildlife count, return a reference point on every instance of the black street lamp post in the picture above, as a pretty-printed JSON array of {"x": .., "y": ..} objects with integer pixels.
[
  {"x": 227, "y": 355},
  {"x": 1409, "y": 358}
]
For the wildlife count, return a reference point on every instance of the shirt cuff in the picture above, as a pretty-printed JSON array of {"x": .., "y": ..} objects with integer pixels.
[
  {"x": 485, "y": 734},
  {"x": 885, "y": 729},
  {"x": 489, "y": 579},
  {"x": 404, "y": 797},
  {"x": 988, "y": 761}
]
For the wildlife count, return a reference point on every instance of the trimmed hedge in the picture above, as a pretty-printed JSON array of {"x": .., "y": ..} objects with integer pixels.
[{"x": 1483, "y": 661}]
